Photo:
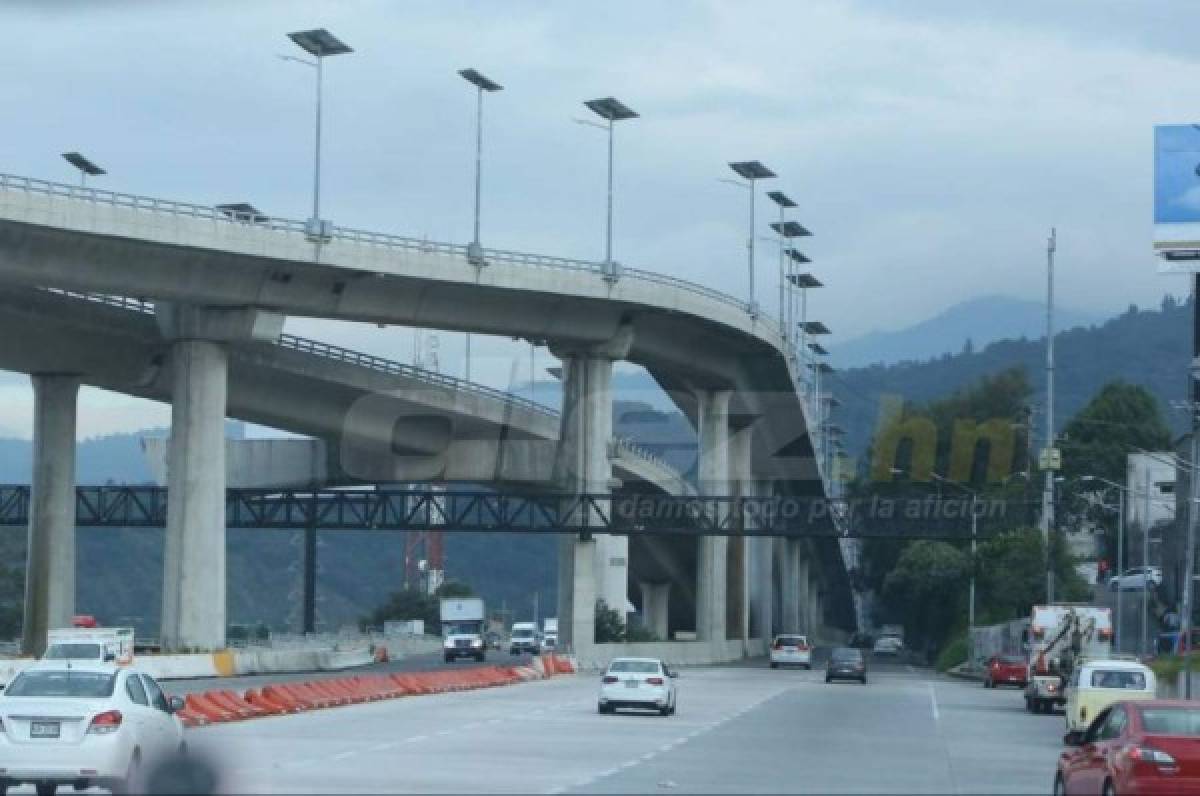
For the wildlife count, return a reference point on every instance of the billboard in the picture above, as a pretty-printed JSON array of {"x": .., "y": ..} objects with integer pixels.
[{"x": 1177, "y": 195}]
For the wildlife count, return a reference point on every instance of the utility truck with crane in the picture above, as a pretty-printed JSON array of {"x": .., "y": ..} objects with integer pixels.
[{"x": 1060, "y": 636}]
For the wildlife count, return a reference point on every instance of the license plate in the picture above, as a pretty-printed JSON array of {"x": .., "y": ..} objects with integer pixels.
[
  {"x": 44, "y": 729},
  {"x": 631, "y": 683}
]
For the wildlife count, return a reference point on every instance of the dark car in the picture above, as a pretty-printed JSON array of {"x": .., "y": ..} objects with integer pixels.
[
  {"x": 846, "y": 663},
  {"x": 1150, "y": 746}
]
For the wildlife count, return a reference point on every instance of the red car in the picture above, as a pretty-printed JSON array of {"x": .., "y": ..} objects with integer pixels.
[
  {"x": 1150, "y": 746},
  {"x": 1006, "y": 670}
]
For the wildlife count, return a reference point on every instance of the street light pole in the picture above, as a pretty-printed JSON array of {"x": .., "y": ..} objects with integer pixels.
[
  {"x": 475, "y": 248},
  {"x": 751, "y": 171},
  {"x": 1189, "y": 558},
  {"x": 1120, "y": 562},
  {"x": 318, "y": 43},
  {"x": 611, "y": 110},
  {"x": 1048, "y": 489}
]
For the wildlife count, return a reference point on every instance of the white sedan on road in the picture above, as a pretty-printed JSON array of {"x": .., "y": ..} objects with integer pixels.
[
  {"x": 645, "y": 683},
  {"x": 85, "y": 724},
  {"x": 791, "y": 650},
  {"x": 1136, "y": 579}
]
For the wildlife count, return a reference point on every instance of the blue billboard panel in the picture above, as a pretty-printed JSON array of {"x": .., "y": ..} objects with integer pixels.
[
  {"x": 1177, "y": 174},
  {"x": 1177, "y": 196}
]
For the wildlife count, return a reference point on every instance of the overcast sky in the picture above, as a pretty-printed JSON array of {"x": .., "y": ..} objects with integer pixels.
[{"x": 930, "y": 146}]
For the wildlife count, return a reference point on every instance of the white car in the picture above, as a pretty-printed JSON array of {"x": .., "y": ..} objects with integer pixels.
[
  {"x": 1135, "y": 579},
  {"x": 790, "y": 650},
  {"x": 86, "y": 724},
  {"x": 888, "y": 645},
  {"x": 645, "y": 683}
]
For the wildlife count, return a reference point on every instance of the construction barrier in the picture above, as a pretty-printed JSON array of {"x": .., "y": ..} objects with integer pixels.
[{"x": 277, "y": 699}]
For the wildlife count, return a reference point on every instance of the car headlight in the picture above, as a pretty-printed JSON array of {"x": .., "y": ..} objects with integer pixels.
[
  {"x": 476, "y": 642},
  {"x": 447, "y": 643}
]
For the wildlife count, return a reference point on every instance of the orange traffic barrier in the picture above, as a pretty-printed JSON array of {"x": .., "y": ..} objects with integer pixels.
[
  {"x": 306, "y": 691},
  {"x": 323, "y": 689},
  {"x": 286, "y": 693},
  {"x": 240, "y": 700},
  {"x": 222, "y": 699},
  {"x": 260, "y": 700},
  {"x": 191, "y": 718},
  {"x": 197, "y": 703},
  {"x": 282, "y": 696}
]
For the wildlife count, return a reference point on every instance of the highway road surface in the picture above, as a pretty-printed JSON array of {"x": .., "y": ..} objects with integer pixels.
[{"x": 738, "y": 729}]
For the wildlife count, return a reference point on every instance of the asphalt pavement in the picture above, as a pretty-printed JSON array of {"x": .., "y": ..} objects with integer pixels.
[{"x": 738, "y": 729}]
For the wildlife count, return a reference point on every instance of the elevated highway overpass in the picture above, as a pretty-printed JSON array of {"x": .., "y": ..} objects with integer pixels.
[{"x": 222, "y": 286}]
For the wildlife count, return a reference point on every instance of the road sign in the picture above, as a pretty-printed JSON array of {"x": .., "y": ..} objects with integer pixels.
[{"x": 1050, "y": 459}]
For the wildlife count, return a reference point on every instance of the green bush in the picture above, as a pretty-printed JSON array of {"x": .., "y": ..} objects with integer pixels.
[
  {"x": 954, "y": 653},
  {"x": 1167, "y": 667}
]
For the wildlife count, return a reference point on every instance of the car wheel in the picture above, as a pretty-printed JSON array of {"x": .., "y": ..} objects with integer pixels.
[
  {"x": 46, "y": 788},
  {"x": 665, "y": 711},
  {"x": 1060, "y": 787},
  {"x": 1109, "y": 788},
  {"x": 774, "y": 665},
  {"x": 828, "y": 679},
  {"x": 863, "y": 680},
  {"x": 602, "y": 709}
]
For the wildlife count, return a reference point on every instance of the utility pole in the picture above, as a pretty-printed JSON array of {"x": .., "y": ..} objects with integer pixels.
[
  {"x": 1189, "y": 559},
  {"x": 1145, "y": 560},
  {"x": 1048, "y": 487}
]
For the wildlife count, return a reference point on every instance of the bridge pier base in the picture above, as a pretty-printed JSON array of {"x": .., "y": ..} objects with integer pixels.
[
  {"x": 596, "y": 567},
  {"x": 50, "y": 569},
  {"x": 792, "y": 585},
  {"x": 712, "y": 554},
  {"x": 193, "y": 612},
  {"x": 655, "y": 604}
]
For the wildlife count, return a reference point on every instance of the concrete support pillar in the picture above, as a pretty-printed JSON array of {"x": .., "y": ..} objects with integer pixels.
[
  {"x": 741, "y": 550},
  {"x": 714, "y": 480},
  {"x": 193, "y": 605},
  {"x": 596, "y": 567},
  {"x": 50, "y": 569},
  {"x": 802, "y": 591},
  {"x": 815, "y": 623},
  {"x": 792, "y": 620},
  {"x": 193, "y": 614},
  {"x": 655, "y": 598}
]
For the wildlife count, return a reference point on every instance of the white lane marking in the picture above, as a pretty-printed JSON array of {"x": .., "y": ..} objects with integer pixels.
[
  {"x": 416, "y": 738},
  {"x": 933, "y": 702},
  {"x": 444, "y": 732},
  {"x": 344, "y": 755}
]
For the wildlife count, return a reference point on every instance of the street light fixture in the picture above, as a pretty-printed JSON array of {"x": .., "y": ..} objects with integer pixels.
[
  {"x": 751, "y": 171},
  {"x": 611, "y": 110},
  {"x": 475, "y": 248},
  {"x": 318, "y": 43},
  {"x": 85, "y": 166}
]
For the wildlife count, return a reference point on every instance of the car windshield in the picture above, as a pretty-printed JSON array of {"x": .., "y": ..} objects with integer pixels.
[
  {"x": 634, "y": 667},
  {"x": 1172, "y": 721},
  {"x": 73, "y": 651},
  {"x": 843, "y": 654},
  {"x": 460, "y": 629},
  {"x": 790, "y": 641},
  {"x": 1107, "y": 678},
  {"x": 1011, "y": 660},
  {"x": 62, "y": 683}
]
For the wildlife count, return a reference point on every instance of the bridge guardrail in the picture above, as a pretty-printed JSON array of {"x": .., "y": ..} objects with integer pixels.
[{"x": 262, "y": 221}]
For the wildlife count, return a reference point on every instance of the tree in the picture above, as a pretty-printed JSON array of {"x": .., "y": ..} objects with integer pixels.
[
  {"x": 1011, "y": 576},
  {"x": 417, "y": 604},
  {"x": 1121, "y": 419},
  {"x": 610, "y": 628},
  {"x": 927, "y": 592}
]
